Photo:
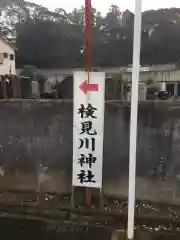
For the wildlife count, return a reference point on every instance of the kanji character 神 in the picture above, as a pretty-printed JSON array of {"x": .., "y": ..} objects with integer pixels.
[{"x": 87, "y": 160}]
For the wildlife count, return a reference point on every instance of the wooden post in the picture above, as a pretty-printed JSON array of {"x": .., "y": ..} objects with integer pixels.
[
  {"x": 88, "y": 51},
  {"x": 72, "y": 197}
]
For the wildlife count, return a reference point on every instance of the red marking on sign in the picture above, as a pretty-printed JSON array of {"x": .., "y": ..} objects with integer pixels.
[
  {"x": 85, "y": 87},
  {"x": 88, "y": 35}
]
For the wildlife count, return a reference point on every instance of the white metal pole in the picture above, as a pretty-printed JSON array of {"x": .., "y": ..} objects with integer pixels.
[{"x": 134, "y": 115}]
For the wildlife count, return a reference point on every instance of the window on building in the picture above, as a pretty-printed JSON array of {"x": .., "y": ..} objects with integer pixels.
[
  {"x": 170, "y": 89},
  {"x": 12, "y": 57},
  {"x": 1, "y": 58},
  {"x": 5, "y": 55}
]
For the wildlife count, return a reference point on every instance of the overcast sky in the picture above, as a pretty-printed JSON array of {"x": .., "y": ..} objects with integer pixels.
[{"x": 103, "y": 5}]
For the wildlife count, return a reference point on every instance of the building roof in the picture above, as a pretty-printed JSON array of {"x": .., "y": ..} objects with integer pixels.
[
  {"x": 153, "y": 68},
  {"x": 6, "y": 41},
  {"x": 69, "y": 71}
]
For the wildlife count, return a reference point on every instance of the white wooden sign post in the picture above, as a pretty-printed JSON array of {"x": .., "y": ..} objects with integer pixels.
[
  {"x": 134, "y": 116},
  {"x": 88, "y": 129}
]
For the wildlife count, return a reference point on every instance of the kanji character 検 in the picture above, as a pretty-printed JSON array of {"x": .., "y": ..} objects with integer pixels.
[{"x": 87, "y": 112}]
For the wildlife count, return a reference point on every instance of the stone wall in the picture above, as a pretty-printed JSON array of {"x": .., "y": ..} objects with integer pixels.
[{"x": 36, "y": 148}]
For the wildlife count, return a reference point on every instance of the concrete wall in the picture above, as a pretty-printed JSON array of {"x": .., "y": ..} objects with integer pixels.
[{"x": 36, "y": 148}]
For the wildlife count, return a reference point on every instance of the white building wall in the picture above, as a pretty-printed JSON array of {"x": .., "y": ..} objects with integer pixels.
[
  {"x": 6, "y": 64},
  {"x": 175, "y": 75},
  {"x": 158, "y": 76}
]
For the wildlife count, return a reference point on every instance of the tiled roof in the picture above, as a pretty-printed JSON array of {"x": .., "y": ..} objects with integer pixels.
[{"x": 153, "y": 68}]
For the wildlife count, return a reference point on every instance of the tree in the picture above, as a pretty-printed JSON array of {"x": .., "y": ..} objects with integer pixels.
[
  {"x": 49, "y": 39},
  {"x": 14, "y": 12},
  {"x": 18, "y": 13},
  {"x": 59, "y": 48},
  {"x": 160, "y": 36},
  {"x": 113, "y": 17},
  {"x": 77, "y": 16},
  {"x": 63, "y": 15},
  {"x": 4, "y": 3}
]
